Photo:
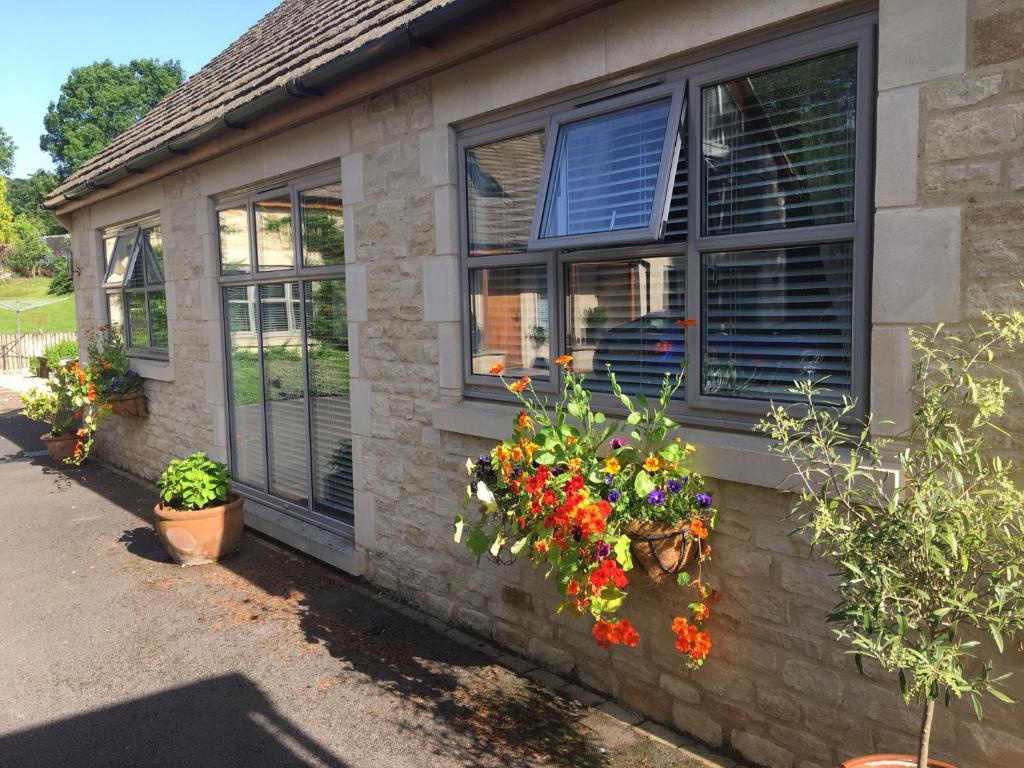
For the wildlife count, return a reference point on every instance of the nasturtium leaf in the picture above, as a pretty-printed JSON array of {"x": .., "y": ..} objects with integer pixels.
[
  {"x": 634, "y": 418},
  {"x": 683, "y": 579},
  {"x": 460, "y": 523},
  {"x": 516, "y": 548},
  {"x": 477, "y": 542},
  {"x": 643, "y": 484},
  {"x": 623, "y": 554}
]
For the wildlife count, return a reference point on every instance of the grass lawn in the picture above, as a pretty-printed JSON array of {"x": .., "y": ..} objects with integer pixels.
[{"x": 53, "y": 318}]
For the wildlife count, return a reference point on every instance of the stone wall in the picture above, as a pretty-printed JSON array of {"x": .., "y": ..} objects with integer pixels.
[{"x": 777, "y": 690}]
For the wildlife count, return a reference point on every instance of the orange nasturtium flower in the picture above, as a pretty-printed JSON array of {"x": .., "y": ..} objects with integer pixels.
[
  {"x": 496, "y": 369},
  {"x": 686, "y": 323},
  {"x": 524, "y": 421},
  {"x": 651, "y": 463},
  {"x": 519, "y": 386},
  {"x": 612, "y": 466},
  {"x": 697, "y": 529},
  {"x": 563, "y": 360}
]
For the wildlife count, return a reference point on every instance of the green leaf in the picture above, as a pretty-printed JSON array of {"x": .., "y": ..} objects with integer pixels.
[
  {"x": 683, "y": 579},
  {"x": 545, "y": 459},
  {"x": 622, "y": 553},
  {"x": 460, "y": 523},
  {"x": 477, "y": 542},
  {"x": 634, "y": 418},
  {"x": 599, "y": 418},
  {"x": 1001, "y": 696},
  {"x": 643, "y": 483},
  {"x": 516, "y": 548}
]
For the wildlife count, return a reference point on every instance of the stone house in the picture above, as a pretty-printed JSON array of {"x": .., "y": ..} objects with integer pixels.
[{"x": 321, "y": 242}]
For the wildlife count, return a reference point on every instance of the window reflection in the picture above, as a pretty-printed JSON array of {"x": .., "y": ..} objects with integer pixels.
[
  {"x": 323, "y": 226},
  {"x": 274, "y": 246},
  {"x": 510, "y": 320},
  {"x": 233, "y": 231},
  {"x": 629, "y": 315}
]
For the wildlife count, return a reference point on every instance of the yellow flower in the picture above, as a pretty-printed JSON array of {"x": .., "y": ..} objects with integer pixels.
[
  {"x": 575, "y": 464},
  {"x": 690, "y": 448},
  {"x": 612, "y": 466},
  {"x": 651, "y": 463},
  {"x": 524, "y": 421}
]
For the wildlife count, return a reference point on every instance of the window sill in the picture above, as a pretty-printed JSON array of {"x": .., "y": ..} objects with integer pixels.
[
  {"x": 155, "y": 370},
  {"x": 741, "y": 458}
]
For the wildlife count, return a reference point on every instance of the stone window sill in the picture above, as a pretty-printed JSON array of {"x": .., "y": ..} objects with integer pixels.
[
  {"x": 741, "y": 458},
  {"x": 155, "y": 370}
]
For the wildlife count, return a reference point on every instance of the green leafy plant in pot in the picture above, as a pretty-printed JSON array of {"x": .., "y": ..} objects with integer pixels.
[
  {"x": 199, "y": 519},
  {"x": 929, "y": 561}
]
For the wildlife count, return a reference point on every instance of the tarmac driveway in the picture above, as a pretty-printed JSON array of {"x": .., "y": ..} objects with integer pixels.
[{"x": 112, "y": 656}]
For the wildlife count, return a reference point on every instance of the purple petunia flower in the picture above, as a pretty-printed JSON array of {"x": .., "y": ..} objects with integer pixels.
[
  {"x": 556, "y": 471},
  {"x": 616, "y": 443},
  {"x": 674, "y": 486},
  {"x": 576, "y": 532},
  {"x": 655, "y": 497},
  {"x": 484, "y": 460},
  {"x": 685, "y": 479},
  {"x": 614, "y": 495},
  {"x": 703, "y": 500},
  {"x": 601, "y": 550},
  {"x": 608, "y": 479}
]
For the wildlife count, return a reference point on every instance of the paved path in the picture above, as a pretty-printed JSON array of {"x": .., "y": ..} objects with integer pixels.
[{"x": 111, "y": 657}]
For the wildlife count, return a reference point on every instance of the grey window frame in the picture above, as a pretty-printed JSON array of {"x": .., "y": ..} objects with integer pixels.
[
  {"x": 122, "y": 290},
  {"x": 300, "y": 274},
  {"x": 586, "y": 109},
  {"x": 844, "y": 31}
]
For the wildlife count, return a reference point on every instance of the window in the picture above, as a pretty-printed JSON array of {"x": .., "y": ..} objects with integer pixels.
[
  {"x": 282, "y": 257},
  {"x": 754, "y": 278},
  {"x": 136, "y": 297}
]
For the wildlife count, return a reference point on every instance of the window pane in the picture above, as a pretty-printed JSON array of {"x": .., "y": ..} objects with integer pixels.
[
  {"x": 120, "y": 256},
  {"x": 605, "y": 171},
  {"x": 678, "y": 224},
  {"x": 244, "y": 382},
  {"x": 274, "y": 233},
  {"x": 136, "y": 274},
  {"x": 233, "y": 227},
  {"x": 138, "y": 328},
  {"x": 323, "y": 226},
  {"x": 775, "y": 316},
  {"x": 153, "y": 248},
  {"x": 501, "y": 192},
  {"x": 108, "y": 251},
  {"x": 629, "y": 315},
  {"x": 158, "y": 318},
  {"x": 115, "y": 310},
  {"x": 510, "y": 320},
  {"x": 327, "y": 345},
  {"x": 779, "y": 147},
  {"x": 285, "y": 393}
]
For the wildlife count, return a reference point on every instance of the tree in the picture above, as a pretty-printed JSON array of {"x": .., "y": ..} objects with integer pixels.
[
  {"x": 928, "y": 565},
  {"x": 7, "y": 148},
  {"x": 6, "y": 215},
  {"x": 100, "y": 101},
  {"x": 26, "y": 197}
]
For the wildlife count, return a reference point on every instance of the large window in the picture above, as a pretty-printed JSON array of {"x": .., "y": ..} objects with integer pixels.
[
  {"x": 134, "y": 281},
  {"x": 755, "y": 277},
  {"x": 282, "y": 256}
]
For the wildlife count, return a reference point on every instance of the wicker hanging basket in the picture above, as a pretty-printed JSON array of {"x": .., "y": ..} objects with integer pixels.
[
  {"x": 660, "y": 549},
  {"x": 133, "y": 405}
]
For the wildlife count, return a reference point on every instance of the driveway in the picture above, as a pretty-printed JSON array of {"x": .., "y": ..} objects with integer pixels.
[{"x": 112, "y": 656}]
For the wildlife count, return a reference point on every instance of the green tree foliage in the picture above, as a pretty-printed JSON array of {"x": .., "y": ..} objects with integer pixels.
[
  {"x": 60, "y": 280},
  {"x": 7, "y": 148},
  {"x": 7, "y": 232},
  {"x": 26, "y": 197},
  {"x": 29, "y": 257},
  {"x": 100, "y": 101},
  {"x": 929, "y": 560}
]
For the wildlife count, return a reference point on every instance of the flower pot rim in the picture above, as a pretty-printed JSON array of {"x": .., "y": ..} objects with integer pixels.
[
  {"x": 891, "y": 761},
  {"x": 234, "y": 501},
  {"x": 58, "y": 438}
]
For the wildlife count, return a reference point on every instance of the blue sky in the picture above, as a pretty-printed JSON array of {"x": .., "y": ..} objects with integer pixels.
[{"x": 43, "y": 41}]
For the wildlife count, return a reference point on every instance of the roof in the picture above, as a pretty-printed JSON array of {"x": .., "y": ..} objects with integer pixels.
[{"x": 298, "y": 39}]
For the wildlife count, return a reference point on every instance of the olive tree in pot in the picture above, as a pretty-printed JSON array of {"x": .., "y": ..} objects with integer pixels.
[
  {"x": 928, "y": 560},
  {"x": 198, "y": 519}
]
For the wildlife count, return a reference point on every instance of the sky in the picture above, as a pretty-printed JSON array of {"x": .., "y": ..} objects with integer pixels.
[{"x": 44, "y": 41}]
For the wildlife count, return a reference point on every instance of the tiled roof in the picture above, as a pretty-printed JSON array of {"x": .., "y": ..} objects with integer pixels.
[{"x": 293, "y": 40}]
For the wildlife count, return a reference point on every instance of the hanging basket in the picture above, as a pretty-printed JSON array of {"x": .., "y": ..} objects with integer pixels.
[
  {"x": 660, "y": 549},
  {"x": 130, "y": 405}
]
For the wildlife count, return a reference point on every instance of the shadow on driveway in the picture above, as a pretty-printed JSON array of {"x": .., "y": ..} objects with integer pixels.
[{"x": 197, "y": 725}]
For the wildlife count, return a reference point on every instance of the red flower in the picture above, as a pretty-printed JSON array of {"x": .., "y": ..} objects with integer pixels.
[
  {"x": 686, "y": 323},
  {"x": 608, "y": 570},
  {"x": 609, "y": 633}
]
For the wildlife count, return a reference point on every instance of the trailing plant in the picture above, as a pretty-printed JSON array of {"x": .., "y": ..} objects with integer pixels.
[
  {"x": 563, "y": 489},
  {"x": 109, "y": 364},
  {"x": 195, "y": 482},
  {"x": 930, "y": 558},
  {"x": 69, "y": 405}
]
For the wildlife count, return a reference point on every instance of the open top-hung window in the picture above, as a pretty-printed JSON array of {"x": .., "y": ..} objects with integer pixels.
[
  {"x": 713, "y": 221},
  {"x": 136, "y": 296}
]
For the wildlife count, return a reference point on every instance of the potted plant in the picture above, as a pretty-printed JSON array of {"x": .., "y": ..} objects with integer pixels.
[
  {"x": 932, "y": 560},
  {"x": 68, "y": 404},
  {"x": 571, "y": 495},
  {"x": 120, "y": 388},
  {"x": 198, "y": 518}
]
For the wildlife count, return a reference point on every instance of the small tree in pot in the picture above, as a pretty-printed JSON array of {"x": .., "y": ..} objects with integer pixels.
[{"x": 932, "y": 559}]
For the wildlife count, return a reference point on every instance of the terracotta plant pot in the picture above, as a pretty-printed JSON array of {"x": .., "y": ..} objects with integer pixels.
[
  {"x": 197, "y": 536},
  {"x": 42, "y": 367},
  {"x": 60, "y": 447},
  {"x": 660, "y": 549},
  {"x": 891, "y": 761},
  {"x": 130, "y": 405}
]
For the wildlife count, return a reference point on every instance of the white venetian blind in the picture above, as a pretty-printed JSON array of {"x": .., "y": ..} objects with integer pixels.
[{"x": 774, "y": 316}]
